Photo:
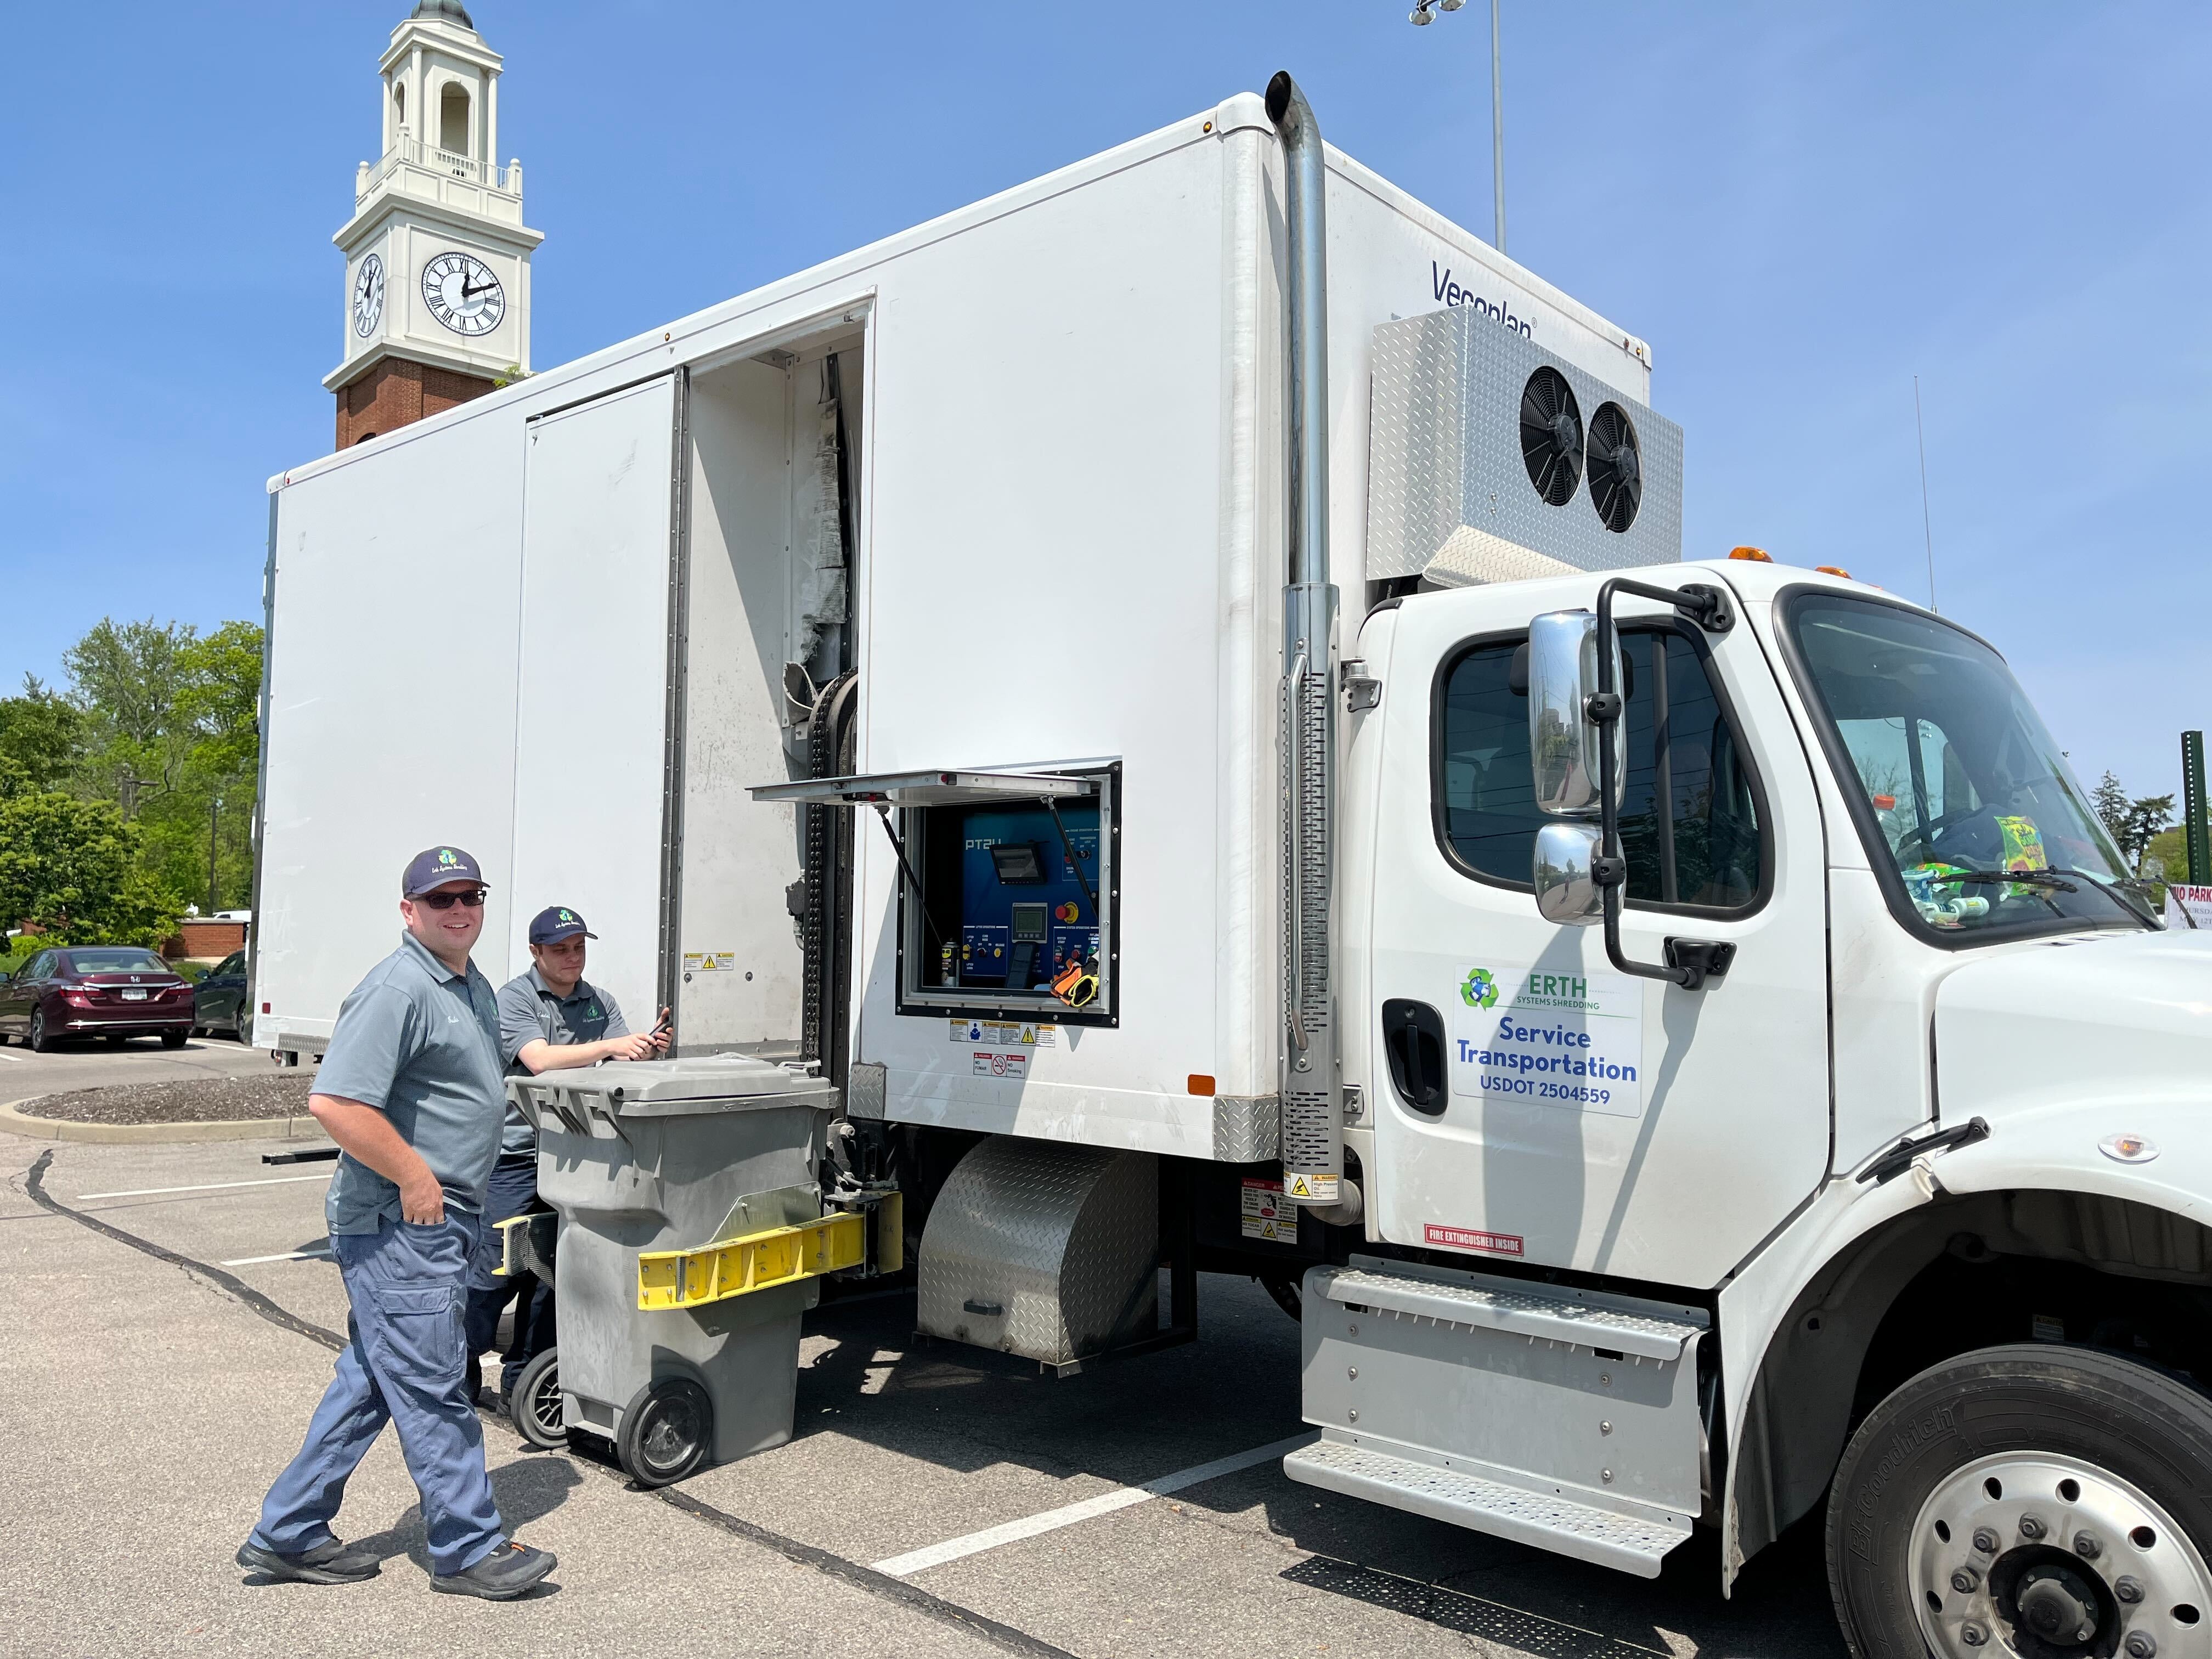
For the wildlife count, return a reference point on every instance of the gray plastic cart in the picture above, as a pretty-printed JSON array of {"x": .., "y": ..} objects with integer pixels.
[{"x": 672, "y": 1155}]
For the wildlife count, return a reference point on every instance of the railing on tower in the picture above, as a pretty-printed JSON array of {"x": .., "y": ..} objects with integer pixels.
[{"x": 411, "y": 151}]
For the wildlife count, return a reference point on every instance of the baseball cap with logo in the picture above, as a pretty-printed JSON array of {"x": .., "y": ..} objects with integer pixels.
[
  {"x": 553, "y": 924},
  {"x": 437, "y": 867}
]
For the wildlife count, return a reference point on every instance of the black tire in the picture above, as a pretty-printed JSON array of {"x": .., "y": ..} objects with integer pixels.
[
  {"x": 42, "y": 1040},
  {"x": 667, "y": 1433},
  {"x": 172, "y": 1039},
  {"x": 2077, "y": 1407},
  {"x": 1283, "y": 1289},
  {"x": 534, "y": 1407}
]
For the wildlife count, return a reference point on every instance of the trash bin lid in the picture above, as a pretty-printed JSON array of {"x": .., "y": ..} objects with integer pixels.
[{"x": 695, "y": 1083}]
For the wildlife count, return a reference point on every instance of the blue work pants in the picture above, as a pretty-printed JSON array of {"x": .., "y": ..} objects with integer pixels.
[
  {"x": 513, "y": 1192},
  {"x": 403, "y": 1365}
]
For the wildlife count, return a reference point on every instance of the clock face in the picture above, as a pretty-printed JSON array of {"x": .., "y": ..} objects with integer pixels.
[
  {"x": 463, "y": 294},
  {"x": 368, "y": 296}
]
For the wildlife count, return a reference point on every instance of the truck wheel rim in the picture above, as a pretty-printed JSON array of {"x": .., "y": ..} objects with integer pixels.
[{"x": 2039, "y": 1556}]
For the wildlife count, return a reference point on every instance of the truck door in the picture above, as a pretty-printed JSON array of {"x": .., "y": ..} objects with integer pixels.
[
  {"x": 1587, "y": 1119},
  {"x": 592, "y": 744}
]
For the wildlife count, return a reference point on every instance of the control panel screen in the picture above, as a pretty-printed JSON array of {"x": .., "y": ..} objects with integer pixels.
[{"x": 1017, "y": 881}]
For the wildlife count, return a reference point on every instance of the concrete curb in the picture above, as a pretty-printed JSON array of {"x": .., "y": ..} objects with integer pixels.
[{"x": 16, "y": 1122}]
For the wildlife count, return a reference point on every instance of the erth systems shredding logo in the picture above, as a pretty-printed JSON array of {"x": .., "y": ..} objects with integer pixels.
[
  {"x": 447, "y": 855},
  {"x": 1478, "y": 989}
]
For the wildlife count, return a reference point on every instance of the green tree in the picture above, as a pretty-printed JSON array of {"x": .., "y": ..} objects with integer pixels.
[
  {"x": 126, "y": 677},
  {"x": 171, "y": 734},
  {"x": 43, "y": 733},
  {"x": 2135, "y": 821},
  {"x": 70, "y": 866}
]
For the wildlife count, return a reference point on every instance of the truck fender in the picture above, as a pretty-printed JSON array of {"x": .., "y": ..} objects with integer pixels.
[{"x": 1796, "y": 1319}]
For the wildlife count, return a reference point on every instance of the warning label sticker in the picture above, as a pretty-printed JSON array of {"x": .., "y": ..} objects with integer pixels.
[
  {"x": 1004, "y": 1033},
  {"x": 1468, "y": 1238},
  {"x": 1320, "y": 1188},
  {"x": 1266, "y": 1213},
  {"x": 710, "y": 961},
  {"x": 989, "y": 1063}
]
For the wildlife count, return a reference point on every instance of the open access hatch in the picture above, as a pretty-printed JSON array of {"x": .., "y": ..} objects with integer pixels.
[{"x": 1007, "y": 888}]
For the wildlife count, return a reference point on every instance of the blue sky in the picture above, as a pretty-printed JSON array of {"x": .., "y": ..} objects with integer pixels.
[{"x": 1800, "y": 208}]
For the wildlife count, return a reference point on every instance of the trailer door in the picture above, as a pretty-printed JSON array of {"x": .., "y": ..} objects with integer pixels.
[
  {"x": 1540, "y": 1107},
  {"x": 596, "y": 742}
]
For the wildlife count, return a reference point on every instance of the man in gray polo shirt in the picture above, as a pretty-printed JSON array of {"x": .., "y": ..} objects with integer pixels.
[
  {"x": 548, "y": 1018},
  {"x": 411, "y": 1089}
]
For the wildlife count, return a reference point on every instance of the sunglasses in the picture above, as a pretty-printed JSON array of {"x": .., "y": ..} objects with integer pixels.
[{"x": 473, "y": 899}]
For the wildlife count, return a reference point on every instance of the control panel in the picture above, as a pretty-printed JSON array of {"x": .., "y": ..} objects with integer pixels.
[{"x": 1024, "y": 912}]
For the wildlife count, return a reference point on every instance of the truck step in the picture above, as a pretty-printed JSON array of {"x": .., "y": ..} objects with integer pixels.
[
  {"x": 1539, "y": 1313},
  {"x": 1627, "y": 1543}
]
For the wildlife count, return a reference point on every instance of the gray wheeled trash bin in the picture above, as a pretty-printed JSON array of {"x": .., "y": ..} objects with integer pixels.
[{"x": 668, "y": 1154}]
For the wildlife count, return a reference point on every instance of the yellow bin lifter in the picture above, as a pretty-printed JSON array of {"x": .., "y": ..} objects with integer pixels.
[{"x": 759, "y": 1261}]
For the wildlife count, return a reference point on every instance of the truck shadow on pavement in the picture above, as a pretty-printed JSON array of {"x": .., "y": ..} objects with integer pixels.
[{"x": 1237, "y": 1385}]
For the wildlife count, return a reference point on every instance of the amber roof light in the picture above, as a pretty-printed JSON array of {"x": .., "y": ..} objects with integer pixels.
[{"x": 1756, "y": 555}]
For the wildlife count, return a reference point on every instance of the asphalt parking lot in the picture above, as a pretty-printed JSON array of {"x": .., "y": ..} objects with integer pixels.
[
  {"x": 24, "y": 1073},
  {"x": 933, "y": 1499}
]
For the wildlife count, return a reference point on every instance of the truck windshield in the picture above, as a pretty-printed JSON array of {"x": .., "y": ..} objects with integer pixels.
[{"x": 1970, "y": 816}]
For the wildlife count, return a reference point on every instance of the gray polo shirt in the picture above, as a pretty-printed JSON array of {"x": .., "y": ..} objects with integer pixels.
[
  {"x": 530, "y": 1012},
  {"x": 419, "y": 1042}
]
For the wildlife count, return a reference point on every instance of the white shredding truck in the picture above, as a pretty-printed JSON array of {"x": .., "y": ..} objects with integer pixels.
[{"x": 1176, "y": 689}]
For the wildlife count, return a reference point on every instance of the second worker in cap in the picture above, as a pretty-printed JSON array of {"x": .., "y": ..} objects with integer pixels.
[{"x": 550, "y": 1018}]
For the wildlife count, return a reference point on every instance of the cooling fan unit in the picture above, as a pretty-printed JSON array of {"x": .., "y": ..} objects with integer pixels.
[
  {"x": 1551, "y": 436},
  {"x": 1616, "y": 466}
]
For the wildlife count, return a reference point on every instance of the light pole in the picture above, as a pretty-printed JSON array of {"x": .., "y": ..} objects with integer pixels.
[
  {"x": 215, "y": 812},
  {"x": 1425, "y": 13}
]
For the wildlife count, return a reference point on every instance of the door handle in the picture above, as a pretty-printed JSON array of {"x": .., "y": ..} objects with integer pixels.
[{"x": 1413, "y": 1038}]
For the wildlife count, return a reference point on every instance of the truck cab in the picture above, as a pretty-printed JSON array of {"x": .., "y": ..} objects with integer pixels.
[{"x": 1918, "y": 1150}]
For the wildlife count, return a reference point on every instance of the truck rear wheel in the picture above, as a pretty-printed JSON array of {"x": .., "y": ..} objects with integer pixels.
[{"x": 2028, "y": 1502}]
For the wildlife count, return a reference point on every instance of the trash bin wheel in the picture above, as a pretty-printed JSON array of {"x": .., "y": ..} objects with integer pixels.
[
  {"x": 666, "y": 1432},
  {"x": 534, "y": 1407}
]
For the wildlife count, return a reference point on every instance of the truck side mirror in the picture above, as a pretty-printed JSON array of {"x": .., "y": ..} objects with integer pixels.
[
  {"x": 1563, "y": 739},
  {"x": 1566, "y": 886}
]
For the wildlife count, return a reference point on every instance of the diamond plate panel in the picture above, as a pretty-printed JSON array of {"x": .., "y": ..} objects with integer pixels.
[
  {"x": 1445, "y": 482},
  {"x": 1043, "y": 1249},
  {"x": 1247, "y": 1128}
]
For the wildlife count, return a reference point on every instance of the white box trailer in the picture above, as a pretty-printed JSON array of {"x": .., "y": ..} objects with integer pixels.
[
  {"x": 1674, "y": 1034},
  {"x": 552, "y": 625}
]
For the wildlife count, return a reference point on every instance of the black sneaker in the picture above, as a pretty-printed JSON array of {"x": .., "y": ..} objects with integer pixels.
[
  {"x": 504, "y": 1574},
  {"x": 329, "y": 1563}
]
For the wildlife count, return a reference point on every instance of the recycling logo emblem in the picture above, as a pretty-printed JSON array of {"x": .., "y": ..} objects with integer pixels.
[
  {"x": 1479, "y": 989},
  {"x": 565, "y": 916},
  {"x": 447, "y": 855}
]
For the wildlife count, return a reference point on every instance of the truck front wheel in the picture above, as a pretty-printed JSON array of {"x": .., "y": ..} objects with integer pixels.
[{"x": 2029, "y": 1502}]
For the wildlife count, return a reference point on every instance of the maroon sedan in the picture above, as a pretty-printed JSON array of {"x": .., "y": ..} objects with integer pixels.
[{"x": 112, "y": 991}]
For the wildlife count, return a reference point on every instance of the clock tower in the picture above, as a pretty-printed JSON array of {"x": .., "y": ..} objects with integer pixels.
[{"x": 437, "y": 307}]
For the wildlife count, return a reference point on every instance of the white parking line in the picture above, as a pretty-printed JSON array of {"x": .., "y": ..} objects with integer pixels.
[
  {"x": 1120, "y": 1497},
  {"x": 20, "y": 1059},
  {"x": 210, "y": 1187},
  {"x": 288, "y": 1256}
]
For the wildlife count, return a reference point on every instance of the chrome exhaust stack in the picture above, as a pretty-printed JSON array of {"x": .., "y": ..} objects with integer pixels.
[{"x": 1311, "y": 1091}]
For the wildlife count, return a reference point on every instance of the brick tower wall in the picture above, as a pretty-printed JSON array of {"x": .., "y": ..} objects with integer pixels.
[{"x": 398, "y": 392}]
